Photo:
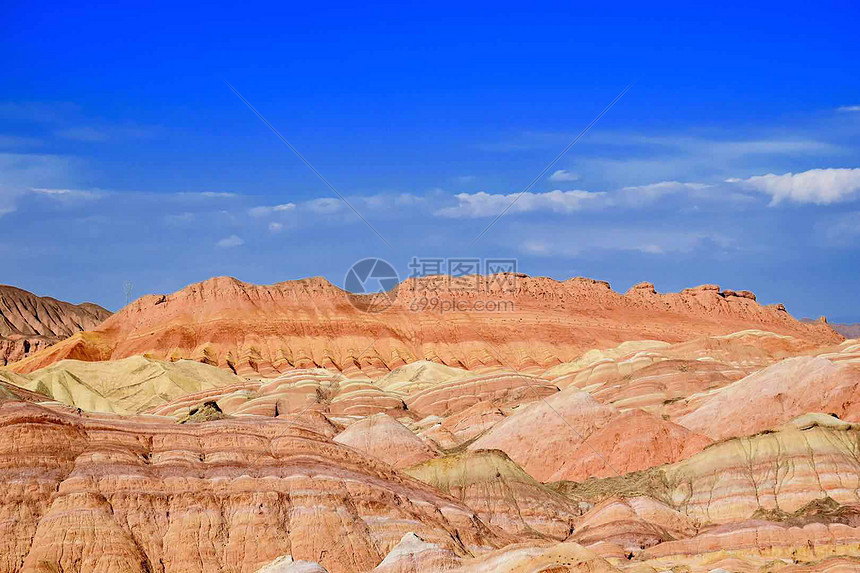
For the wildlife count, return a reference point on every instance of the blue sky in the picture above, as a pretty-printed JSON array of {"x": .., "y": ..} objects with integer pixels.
[{"x": 734, "y": 158}]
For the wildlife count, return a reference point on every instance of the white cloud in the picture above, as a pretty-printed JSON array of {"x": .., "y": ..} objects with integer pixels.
[
  {"x": 563, "y": 175},
  {"x": 324, "y": 205},
  {"x": 20, "y": 172},
  {"x": 388, "y": 200},
  {"x": 651, "y": 249},
  {"x": 536, "y": 247},
  {"x": 724, "y": 148},
  {"x": 216, "y": 194},
  {"x": 569, "y": 241},
  {"x": 262, "y": 211},
  {"x": 637, "y": 195},
  {"x": 818, "y": 186},
  {"x": 276, "y": 227},
  {"x": 849, "y": 108},
  {"x": 329, "y": 208},
  {"x": 489, "y": 205},
  {"x": 69, "y": 194},
  {"x": 231, "y": 241},
  {"x": 201, "y": 195}
]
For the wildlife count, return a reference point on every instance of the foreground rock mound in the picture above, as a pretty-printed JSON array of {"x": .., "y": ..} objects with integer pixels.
[
  {"x": 103, "y": 493},
  {"x": 29, "y": 323},
  {"x": 544, "y": 558},
  {"x": 208, "y": 412},
  {"x": 417, "y": 376},
  {"x": 416, "y": 556},
  {"x": 775, "y": 395},
  {"x": 633, "y": 524},
  {"x": 286, "y": 564},
  {"x": 296, "y": 391},
  {"x": 266, "y": 330},
  {"x": 501, "y": 389},
  {"x": 387, "y": 440},
  {"x": 501, "y": 493},
  {"x": 571, "y": 436},
  {"x": 774, "y": 473}
]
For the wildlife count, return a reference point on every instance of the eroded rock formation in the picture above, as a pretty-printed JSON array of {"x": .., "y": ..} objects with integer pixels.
[
  {"x": 583, "y": 431},
  {"x": 571, "y": 436},
  {"x": 102, "y": 493},
  {"x": 29, "y": 323},
  {"x": 265, "y": 330}
]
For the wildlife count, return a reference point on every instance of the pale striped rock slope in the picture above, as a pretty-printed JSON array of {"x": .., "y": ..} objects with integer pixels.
[{"x": 124, "y": 386}]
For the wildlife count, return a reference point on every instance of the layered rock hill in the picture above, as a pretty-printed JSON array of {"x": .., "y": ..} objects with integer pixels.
[
  {"x": 29, "y": 323},
  {"x": 386, "y": 439},
  {"x": 781, "y": 500},
  {"x": 571, "y": 436},
  {"x": 537, "y": 323},
  {"x": 774, "y": 395},
  {"x": 501, "y": 493},
  {"x": 670, "y": 379},
  {"x": 125, "y": 386},
  {"x": 310, "y": 471},
  {"x": 103, "y": 493},
  {"x": 768, "y": 475},
  {"x": 633, "y": 524},
  {"x": 294, "y": 392},
  {"x": 578, "y": 430}
]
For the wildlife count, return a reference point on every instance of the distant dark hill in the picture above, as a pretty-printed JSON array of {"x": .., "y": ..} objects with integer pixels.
[
  {"x": 29, "y": 323},
  {"x": 846, "y": 330}
]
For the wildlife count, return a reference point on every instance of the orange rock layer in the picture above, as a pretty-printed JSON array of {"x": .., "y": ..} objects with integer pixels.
[{"x": 265, "y": 330}]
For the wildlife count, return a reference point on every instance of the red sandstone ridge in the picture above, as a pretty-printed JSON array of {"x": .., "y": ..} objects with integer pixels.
[
  {"x": 264, "y": 330},
  {"x": 29, "y": 323}
]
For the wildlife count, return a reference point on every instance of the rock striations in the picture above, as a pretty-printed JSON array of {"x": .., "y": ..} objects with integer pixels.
[
  {"x": 29, "y": 323},
  {"x": 276, "y": 429},
  {"x": 102, "y": 493},
  {"x": 258, "y": 330},
  {"x": 125, "y": 386}
]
